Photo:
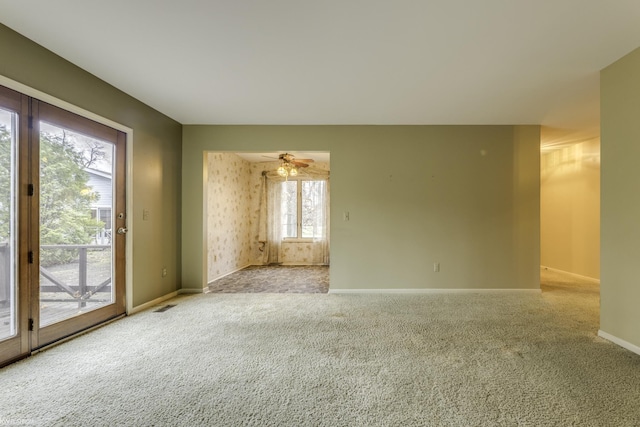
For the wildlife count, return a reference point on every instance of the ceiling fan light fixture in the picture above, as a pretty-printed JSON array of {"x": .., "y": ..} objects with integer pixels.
[{"x": 290, "y": 166}]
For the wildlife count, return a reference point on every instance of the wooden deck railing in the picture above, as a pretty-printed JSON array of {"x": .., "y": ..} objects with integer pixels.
[
  {"x": 79, "y": 293},
  {"x": 82, "y": 291}
]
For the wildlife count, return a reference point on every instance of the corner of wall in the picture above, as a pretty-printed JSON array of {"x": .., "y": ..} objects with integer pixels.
[
  {"x": 526, "y": 167},
  {"x": 620, "y": 200}
]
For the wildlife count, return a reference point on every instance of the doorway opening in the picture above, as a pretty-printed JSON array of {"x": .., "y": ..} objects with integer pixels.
[
  {"x": 570, "y": 214},
  {"x": 268, "y": 227}
]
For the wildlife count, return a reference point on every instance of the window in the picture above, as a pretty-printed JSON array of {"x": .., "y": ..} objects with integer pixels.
[
  {"x": 103, "y": 215},
  {"x": 103, "y": 235},
  {"x": 303, "y": 209}
]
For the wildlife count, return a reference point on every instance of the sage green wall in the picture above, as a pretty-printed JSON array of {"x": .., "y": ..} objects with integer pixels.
[
  {"x": 156, "y": 155},
  {"x": 464, "y": 196},
  {"x": 620, "y": 199}
]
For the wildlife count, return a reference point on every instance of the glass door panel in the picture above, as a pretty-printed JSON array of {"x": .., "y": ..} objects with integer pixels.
[
  {"x": 8, "y": 225},
  {"x": 14, "y": 292},
  {"x": 76, "y": 214}
]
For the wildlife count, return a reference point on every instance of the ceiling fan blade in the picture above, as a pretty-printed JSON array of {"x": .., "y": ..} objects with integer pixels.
[
  {"x": 298, "y": 164},
  {"x": 304, "y": 160}
]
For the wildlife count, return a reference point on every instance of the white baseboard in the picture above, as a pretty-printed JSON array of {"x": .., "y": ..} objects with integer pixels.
[
  {"x": 156, "y": 301},
  {"x": 429, "y": 291},
  {"x": 622, "y": 343},
  {"x": 570, "y": 273},
  {"x": 304, "y": 263},
  {"x": 226, "y": 274}
]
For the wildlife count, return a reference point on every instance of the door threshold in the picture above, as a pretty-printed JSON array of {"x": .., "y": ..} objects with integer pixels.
[{"x": 76, "y": 334}]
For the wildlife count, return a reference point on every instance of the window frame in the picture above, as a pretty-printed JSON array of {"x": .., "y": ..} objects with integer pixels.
[{"x": 299, "y": 239}]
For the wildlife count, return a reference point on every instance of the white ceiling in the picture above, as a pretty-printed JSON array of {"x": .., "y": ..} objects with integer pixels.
[{"x": 346, "y": 61}]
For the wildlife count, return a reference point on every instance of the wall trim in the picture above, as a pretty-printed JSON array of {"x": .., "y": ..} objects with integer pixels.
[
  {"x": 430, "y": 291},
  {"x": 191, "y": 291},
  {"x": 43, "y": 96},
  {"x": 622, "y": 343},
  {"x": 293, "y": 264},
  {"x": 580, "y": 276},
  {"x": 151, "y": 303},
  {"x": 226, "y": 274}
]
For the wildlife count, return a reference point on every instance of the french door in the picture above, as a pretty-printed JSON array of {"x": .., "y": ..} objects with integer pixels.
[{"x": 62, "y": 224}]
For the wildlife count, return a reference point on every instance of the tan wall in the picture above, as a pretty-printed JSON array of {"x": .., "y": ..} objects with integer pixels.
[
  {"x": 620, "y": 240},
  {"x": 464, "y": 196},
  {"x": 570, "y": 208},
  {"x": 156, "y": 158}
]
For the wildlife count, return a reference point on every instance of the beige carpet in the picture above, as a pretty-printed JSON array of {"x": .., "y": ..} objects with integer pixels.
[{"x": 487, "y": 359}]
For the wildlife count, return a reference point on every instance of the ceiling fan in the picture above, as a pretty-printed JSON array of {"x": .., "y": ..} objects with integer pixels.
[
  {"x": 289, "y": 165},
  {"x": 291, "y": 159}
]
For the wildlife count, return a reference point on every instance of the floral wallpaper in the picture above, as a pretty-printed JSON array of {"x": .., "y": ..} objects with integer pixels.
[
  {"x": 301, "y": 253},
  {"x": 233, "y": 204},
  {"x": 229, "y": 219}
]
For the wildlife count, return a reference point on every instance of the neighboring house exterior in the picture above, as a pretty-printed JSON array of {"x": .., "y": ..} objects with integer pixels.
[{"x": 102, "y": 184}]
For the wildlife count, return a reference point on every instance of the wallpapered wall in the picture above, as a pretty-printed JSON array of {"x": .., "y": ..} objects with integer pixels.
[
  {"x": 233, "y": 205},
  {"x": 229, "y": 221}
]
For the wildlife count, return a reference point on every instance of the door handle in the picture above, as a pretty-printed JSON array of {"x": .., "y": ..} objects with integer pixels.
[{"x": 122, "y": 230}]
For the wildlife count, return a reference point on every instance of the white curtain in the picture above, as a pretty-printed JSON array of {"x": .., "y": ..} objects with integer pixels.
[
  {"x": 327, "y": 222},
  {"x": 321, "y": 243},
  {"x": 269, "y": 227}
]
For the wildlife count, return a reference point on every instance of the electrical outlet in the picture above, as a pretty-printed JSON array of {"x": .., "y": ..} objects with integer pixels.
[
  {"x": 145, "y": 215},
  {"x": 164, "y": 271},
  {"x": 436, "y": 267}
]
